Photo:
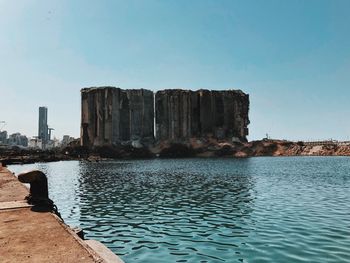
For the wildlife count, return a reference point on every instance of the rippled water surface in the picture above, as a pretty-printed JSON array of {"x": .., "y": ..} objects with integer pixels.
[{"x": 209, "y": 210}]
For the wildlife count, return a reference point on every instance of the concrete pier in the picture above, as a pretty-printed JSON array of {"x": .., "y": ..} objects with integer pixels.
[{"x": 28, "y": 236}]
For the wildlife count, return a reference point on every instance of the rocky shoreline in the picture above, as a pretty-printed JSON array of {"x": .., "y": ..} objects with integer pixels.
[{"x": 194, "y": 147}]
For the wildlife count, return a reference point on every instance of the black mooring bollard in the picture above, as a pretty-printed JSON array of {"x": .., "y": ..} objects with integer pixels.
[
  {"x": 38, "y": 185},
  {"x": 39, "y": 194}
]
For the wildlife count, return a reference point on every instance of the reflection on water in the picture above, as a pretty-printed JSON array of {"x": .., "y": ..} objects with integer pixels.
[
  {"x": 177, "y": 211},
  {"x": 209, "y": 210}
]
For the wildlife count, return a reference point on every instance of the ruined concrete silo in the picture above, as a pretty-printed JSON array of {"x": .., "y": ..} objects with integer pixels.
[
  {"x": 182, "y": 114},
  {"x": 111, "y": 115},
  {"x": 224, "y": 114},
  {"x": 175, "y": 114}
]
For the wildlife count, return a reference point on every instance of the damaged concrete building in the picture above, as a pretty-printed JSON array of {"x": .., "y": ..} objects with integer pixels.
[
  {"x": 111, "y": 115},
  {"x": 183, "y": 114}
]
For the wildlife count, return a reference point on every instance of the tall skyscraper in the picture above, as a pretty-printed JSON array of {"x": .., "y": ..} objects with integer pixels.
[{"x": 43, "y": 132}]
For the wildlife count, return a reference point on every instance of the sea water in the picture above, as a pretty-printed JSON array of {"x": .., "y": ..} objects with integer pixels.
[{"x": 267, "y": 209}]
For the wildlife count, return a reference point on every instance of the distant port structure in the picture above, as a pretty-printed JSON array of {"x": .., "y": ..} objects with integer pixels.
[
  {"x": 111, "y": 115},
  {"x": 329, "y": 142},
  {"x": 325, "y": 142}
]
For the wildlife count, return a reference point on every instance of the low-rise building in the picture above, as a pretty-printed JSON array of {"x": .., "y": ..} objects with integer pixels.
[
  {"x": 66, "y": 140},
  {"x": 3, "y": 137},
  {"x": 35, "y": 143},
  {"x": 17, "y": 139}
]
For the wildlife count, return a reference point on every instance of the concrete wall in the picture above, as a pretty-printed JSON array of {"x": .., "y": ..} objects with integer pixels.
[
  {"x": 175, "y": 113},
  {"x": 182, "y": 114},
  {"x": 110, "y": 115}
]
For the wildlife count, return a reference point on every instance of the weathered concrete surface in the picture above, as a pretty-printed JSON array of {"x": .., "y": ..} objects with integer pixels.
[
  {"x": 173, "y": 114},
  {"x": 182, "y": 114},
  {"x": 106, "y": 254},
  {"x": 10, "y": 188},
  {"x": 27, "y": 236},
  {"x": 111, "y": 115}
]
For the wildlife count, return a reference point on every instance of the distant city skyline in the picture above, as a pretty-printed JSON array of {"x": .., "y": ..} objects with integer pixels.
[{"x": 291, "y": 57}]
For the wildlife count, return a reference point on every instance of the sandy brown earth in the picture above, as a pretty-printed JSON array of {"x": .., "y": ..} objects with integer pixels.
[{"x": 286, "y": 148}]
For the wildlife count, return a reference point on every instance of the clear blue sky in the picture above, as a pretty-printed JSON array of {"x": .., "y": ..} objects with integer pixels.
[{"x": 292, "y": 57}]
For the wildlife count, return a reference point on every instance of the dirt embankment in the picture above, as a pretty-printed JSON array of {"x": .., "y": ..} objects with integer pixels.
[
  {"x": 214, "y": 148},
  {"x": 283, "y": 148},
  {"x": 286, "y": 148},
  {"x": 194, "y": 147},
  {"x": 21, "y": 156},
  {"x": 17, "y": 155}
]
